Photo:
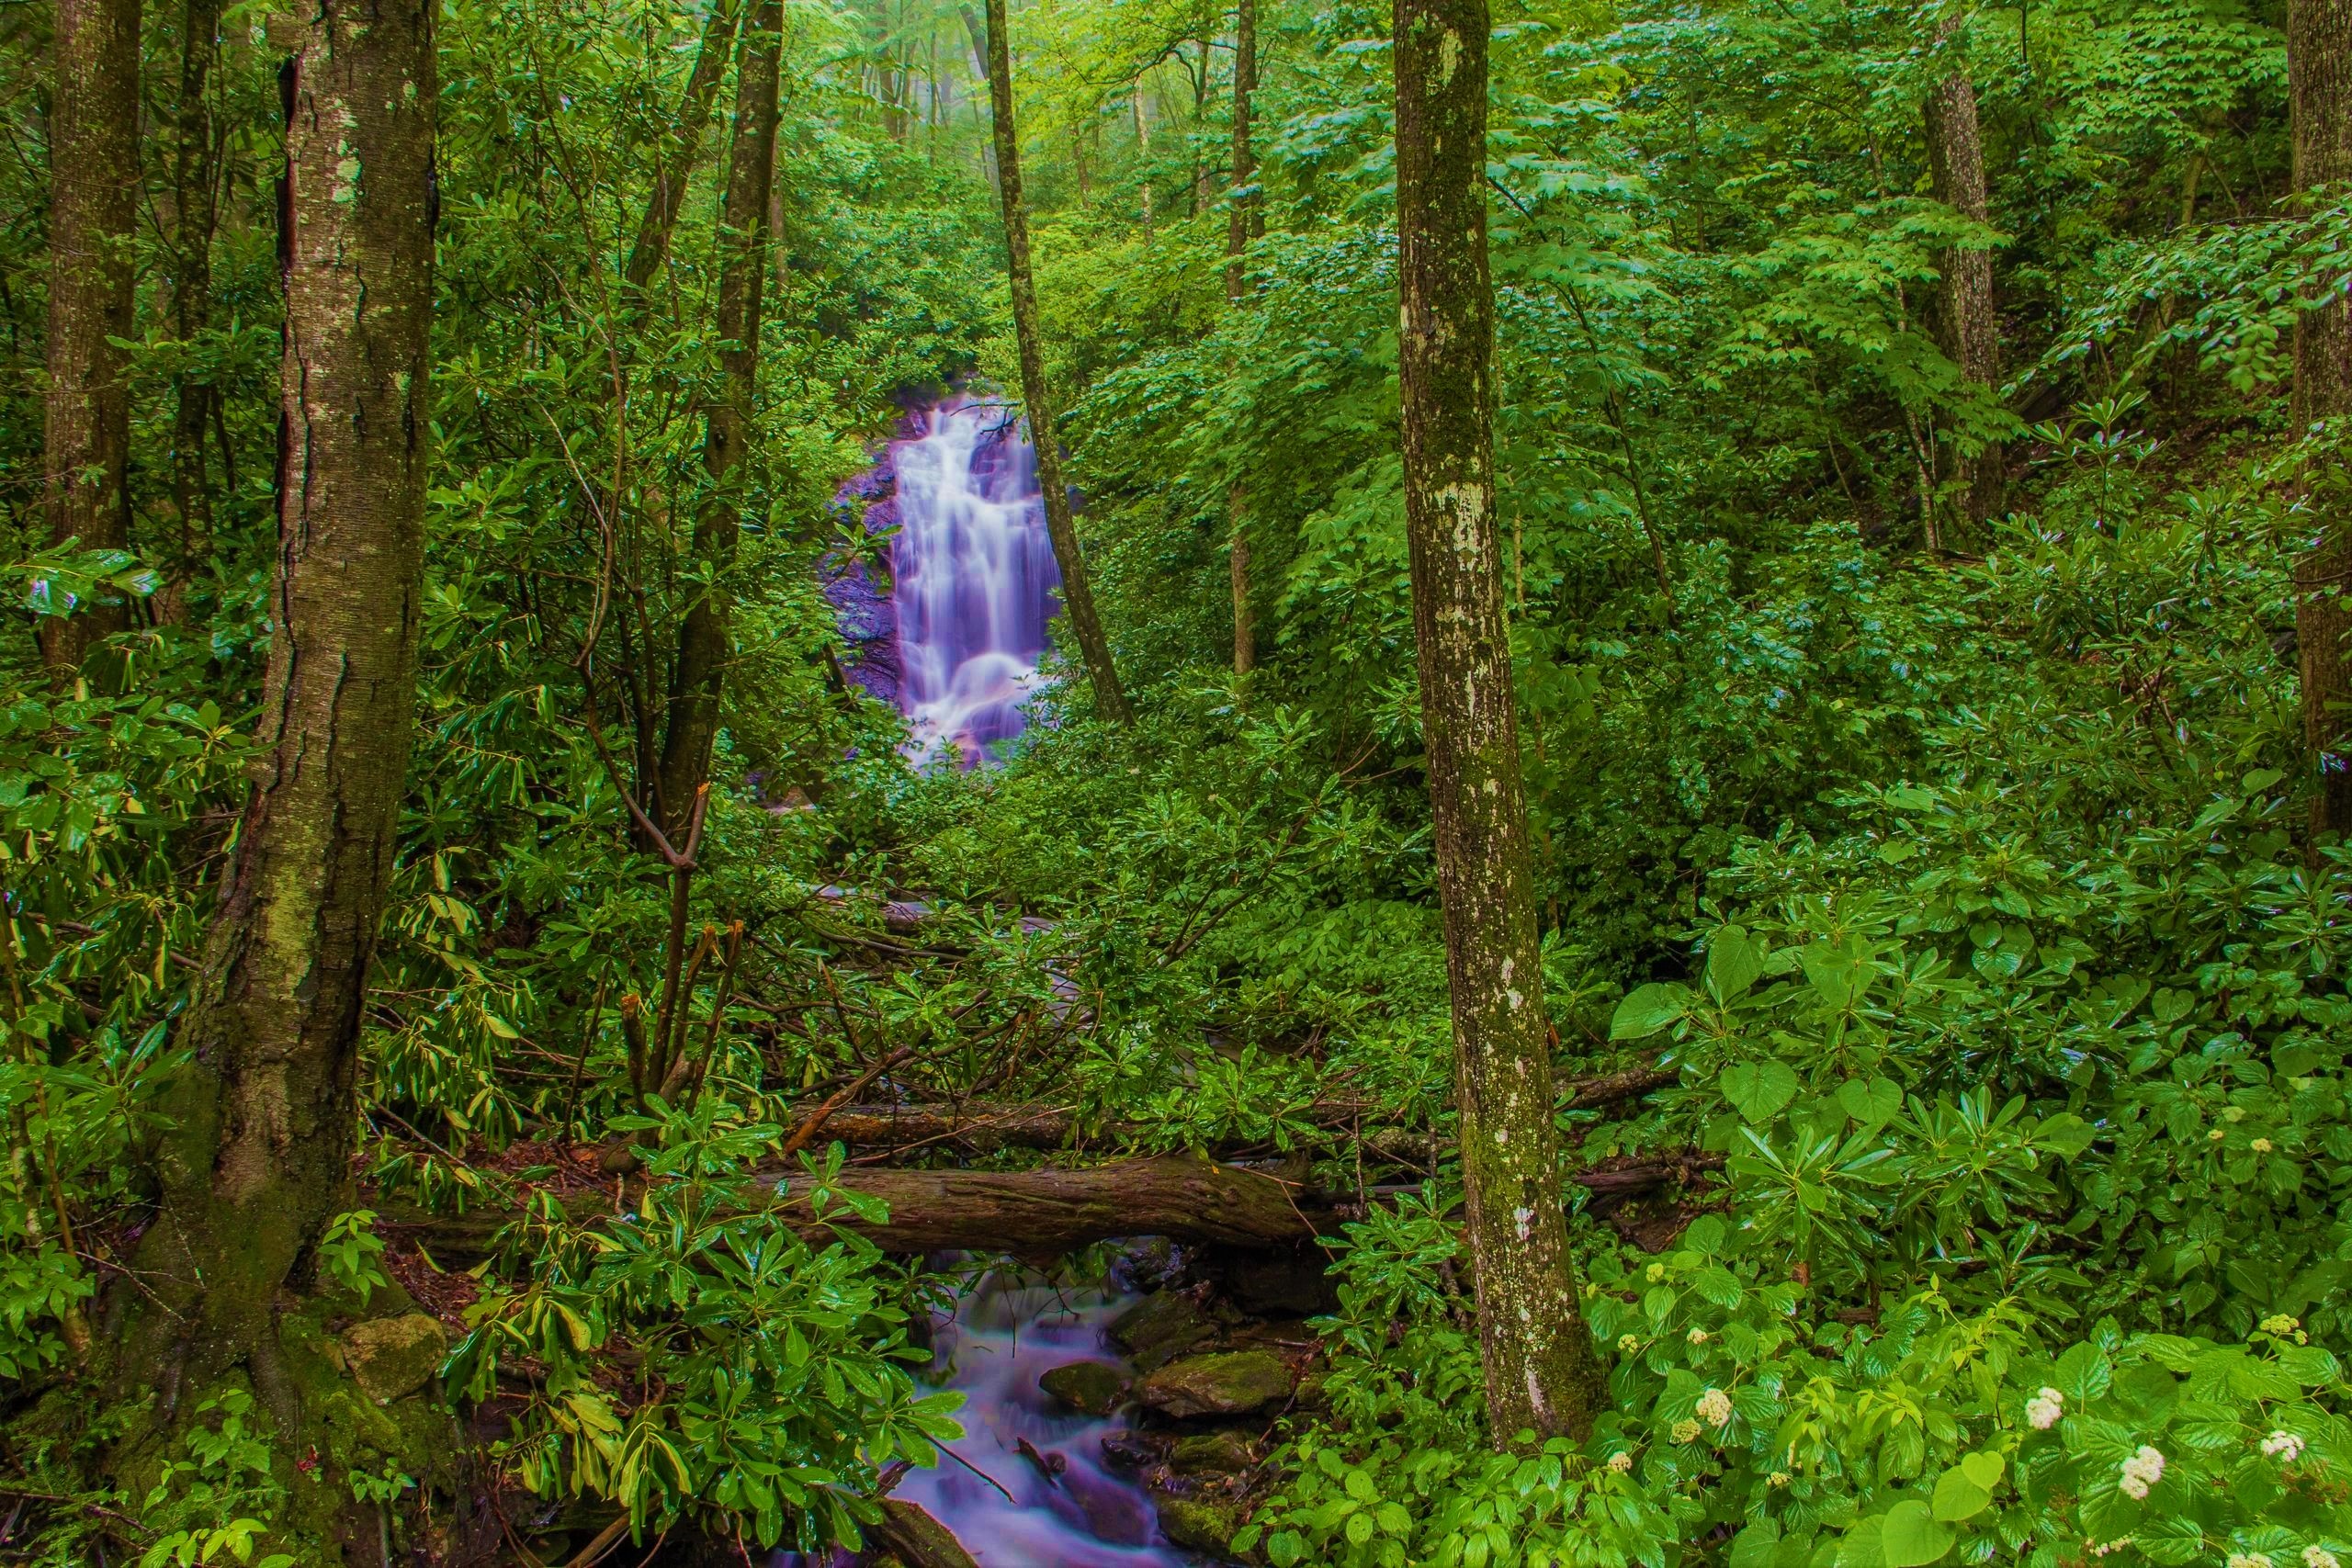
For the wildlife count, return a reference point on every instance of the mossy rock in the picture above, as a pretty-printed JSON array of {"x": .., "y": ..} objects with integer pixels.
[
  {"x": 1158, "y": 1328},
  {"x": 1200, "y": 1524},
  {"x": 1091, "y": 1388},
  {"x": 391, "y": 1358},
  {"x": 1230, "y": 1382},
  {"x": 1226, "y": 1453}
]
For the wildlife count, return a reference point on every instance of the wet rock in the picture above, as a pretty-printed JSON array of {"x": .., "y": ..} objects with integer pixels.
[
  {"x": 1200, "y": 1523},
  {"x": 1211, "y": 1454},
  {"x": 1230, "y": 1382},
  {"x": 1148, "y": 1263},
  {"x": 1297, "y": 1283},
  {"x": 1133, "y": 1450},
  {"x": 1091, "y": 1388},
  {"x": 909, "y": 1533},
  {"x": 391, "y": 1358},
  {"x": 1158, "y": 1328}
]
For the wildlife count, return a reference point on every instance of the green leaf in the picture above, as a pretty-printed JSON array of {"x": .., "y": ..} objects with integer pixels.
[
  {"x": 1759, "y": 1090},
  {"x": 1649, "y": 1010},
  {"x": 1873, "y": 1104},
  {"x": 1733, "y": 964},
  {"x": 2082, "y": 1374},
  {"x": 1984, "y": 1469},
  {"x": 1284, "y": 1547},
  {"x": 2064, "y": 1135},
  {"x": 1958, "y": 1496},
  {"x": 1753, "y": 1547},
  {"x": 1912, "y": 1536}
]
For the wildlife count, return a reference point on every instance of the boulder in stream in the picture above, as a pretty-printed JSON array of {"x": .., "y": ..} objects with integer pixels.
[
  {"x": 1161, "y": 1327},
  {"x": 1228, "y": 1382},
  {"x": 1205, "y": 1523},
  {"x": 1091, "y": 1388}
]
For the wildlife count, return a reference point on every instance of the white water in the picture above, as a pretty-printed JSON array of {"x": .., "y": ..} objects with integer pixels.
[
  {"x": 1004, "y": 1337},
  {"x": 976, "y": 578},
  {"x": 995, "y": 1500}
]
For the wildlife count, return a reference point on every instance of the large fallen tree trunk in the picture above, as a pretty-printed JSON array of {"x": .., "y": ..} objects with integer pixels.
[
  {"x": 987, "y": 1126},
  {"x": 1040, "y": 1212}
]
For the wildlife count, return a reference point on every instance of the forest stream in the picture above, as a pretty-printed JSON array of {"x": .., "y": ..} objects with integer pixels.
[{"x": 956, "y": 645}]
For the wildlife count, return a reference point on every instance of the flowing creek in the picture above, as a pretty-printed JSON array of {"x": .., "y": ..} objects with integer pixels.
[{"x": 957, "y": 642}]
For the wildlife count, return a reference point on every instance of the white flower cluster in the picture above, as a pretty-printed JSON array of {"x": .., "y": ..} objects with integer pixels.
[
  {"x": 2041, "y": 1412},
  {"x": 1715, "y": 1409},
  {"x": 1621, "y": 1461},
  {"x": 2101, "y": 1548},
  {"x": 2249, "y": 1560},
  {"x": 2141, "y": 1471},
  {"x": 2319, "y": 1557},
  {"x": 1685, "y": 1431},
  {"x": 2284, "y": 1447}
]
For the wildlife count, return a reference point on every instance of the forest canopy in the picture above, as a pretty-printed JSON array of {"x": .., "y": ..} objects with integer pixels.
[{"x": 1684, "y": 834}]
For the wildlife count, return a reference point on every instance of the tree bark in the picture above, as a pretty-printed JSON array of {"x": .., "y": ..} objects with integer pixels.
[
  {"x": 262, "y": 1114},
  {"x": 1245, "y": 84},
  {"x": 1541, "y": 1369},
  {"x": 1045, "y": 1213},
  {"x": 1078, "y": 589},
  {"x": 93, "y": 197},
  {"x": 674, "y": 162},
  {"x": 700, "y": 669},
  {"x": 2319, "y": 71},
  {"x": 1970, "y": 327},
  {"x": 195, "y": 215}
]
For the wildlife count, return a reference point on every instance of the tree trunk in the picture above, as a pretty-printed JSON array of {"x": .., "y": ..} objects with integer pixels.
[
  {"x": 673, "y": 164},
  {"x": 1970, "y": 328},
  {"x": 700, "y": 670},
  {"x": 1245, "y": 83},
  {"x": 1078, "y": 590},
  {"x": 194, "y": 216},
  {"x": 93, "y": 197},
  {"x": 1237, "y": 243},
  {"x": 262, "y": 1115},
  {"x": 2319, "y": 71},
  {"x": 1540, "y": 1369},
  {"x": 1046, "y": 1213},
  {"x": 1143, "y": 155}
]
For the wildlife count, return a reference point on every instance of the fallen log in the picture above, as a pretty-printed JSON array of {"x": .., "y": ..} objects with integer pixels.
[
  {"x": 1044, "y": 1213},
  {"x": 986, "y": 1127}
]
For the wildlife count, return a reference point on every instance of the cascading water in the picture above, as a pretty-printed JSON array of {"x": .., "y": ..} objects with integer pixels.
[
  {"x": 976, "y": 578},
  {"x": 1005, "y": 1335},
  {"x": 1057, "y": 1502}
]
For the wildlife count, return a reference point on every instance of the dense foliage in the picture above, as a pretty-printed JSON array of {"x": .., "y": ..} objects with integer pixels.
[{"x": 1968, "y": 888}]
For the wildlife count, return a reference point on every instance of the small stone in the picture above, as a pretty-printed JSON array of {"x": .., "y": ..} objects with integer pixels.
[
  {"x": 391, "y": 1358},
  {"x": 1232, "y": 1383},
  {"x": 1213, "y": 1453},
  {"x": 917, "y": 1540},
  {"x": 1091, "y": 1388},
  {"x": 619, "y": 1158},
  {"x": 1161, "y": 1327}
]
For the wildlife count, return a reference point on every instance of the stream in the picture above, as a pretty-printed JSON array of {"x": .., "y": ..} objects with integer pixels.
[
  {"x": 955, "y": 639},
  {"x": 955, "y": 642}
]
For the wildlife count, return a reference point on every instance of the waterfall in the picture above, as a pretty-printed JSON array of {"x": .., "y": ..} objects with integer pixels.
[{"x": 976, "y": 578}]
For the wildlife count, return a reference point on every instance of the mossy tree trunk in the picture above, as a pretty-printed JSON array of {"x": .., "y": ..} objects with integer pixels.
[
  {"x": 1540, "y": 1369},
  {"x": 195, "y": 215},
  {"x": 257, "y": 1158},
  {"x": 1236, "y": 244},
  {"x": 1967, "y": 321},
  {"x": 92, "y": 201},
  {"x": 674, "y": 162},
  {"x": 2319, "y": 71},
  {"x": 703, "y": 634},
  {"x": 1077, "y": 588}
]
